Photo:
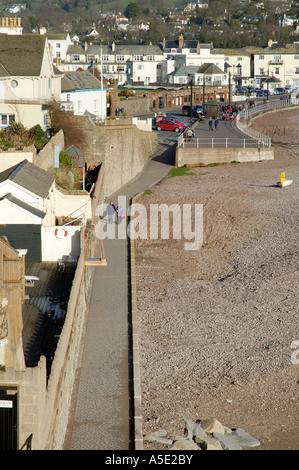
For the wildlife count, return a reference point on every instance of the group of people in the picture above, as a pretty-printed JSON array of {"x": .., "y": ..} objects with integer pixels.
[
  {"x": 229, "y": 112},
  {"x": 113, "y": 210}
]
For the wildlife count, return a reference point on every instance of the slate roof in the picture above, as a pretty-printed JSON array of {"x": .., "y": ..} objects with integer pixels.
[
  {"x": 30, "y": 177},
  {"x": 192, "y": 45},
  {"x": 120, "y": 49},
  {"x": 21, "y": 55},
  {"x": 209, "y": 69},
  {"x": 23, "y": 205},
  {"x": 84, "y": 80}
]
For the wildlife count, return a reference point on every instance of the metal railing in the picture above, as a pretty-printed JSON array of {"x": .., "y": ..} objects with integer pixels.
[
  {"x": 247, "y": 114},
  {"x": 223, "y": 142}
]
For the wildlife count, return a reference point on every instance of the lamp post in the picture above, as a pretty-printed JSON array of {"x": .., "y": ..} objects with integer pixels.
[
  {"x": 203, "y": 93},
  {"x": 191, "y": 101}
]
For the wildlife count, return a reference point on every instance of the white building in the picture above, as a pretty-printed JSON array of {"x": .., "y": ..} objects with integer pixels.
[
  {"x": 127, "y": 64},
  {"x": 81, "y": 92},
  {"x": 280, "y": 61},
  {"x": 28, "y": 80},
  {"x": 58, "y": 46}
]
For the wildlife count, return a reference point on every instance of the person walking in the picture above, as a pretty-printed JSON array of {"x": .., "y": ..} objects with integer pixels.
[
  {"x": 216, "y": 122},
  {"x": 210, "y": 124},
  {"x": 110, "y": 211},
  {"x": 119, "y": 213}
]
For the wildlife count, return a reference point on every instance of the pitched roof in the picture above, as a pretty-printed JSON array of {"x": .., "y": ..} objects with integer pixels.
[
  {"x": 84, "y": 80},
  {"x": 209, "y": 69},
  {"x": 21, "y": 55},
  {"x": 29, "y": 176},
  {"x": 120, "y": 49},
  {"x": 23, "y": 205}
]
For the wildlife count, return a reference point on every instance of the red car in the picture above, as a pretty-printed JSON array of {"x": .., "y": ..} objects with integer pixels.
[
  {"x": 180, "y": 122},
  {"x": 169, "y": 125}
]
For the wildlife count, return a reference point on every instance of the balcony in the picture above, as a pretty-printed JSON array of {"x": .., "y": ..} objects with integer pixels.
[{"x": 276, "y": 62}]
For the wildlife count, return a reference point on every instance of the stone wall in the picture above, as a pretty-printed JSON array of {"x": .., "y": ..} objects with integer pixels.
[
  {"x": 122, "y": 149},
  {"x": 45, "y": 159},
  {"x": 206, "y": 156}
]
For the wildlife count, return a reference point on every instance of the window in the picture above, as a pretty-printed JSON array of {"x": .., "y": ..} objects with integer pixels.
[
  {"x": 239, "y": 59},
  {"x": 90, "y": 58},
  {"x": 297, "y": 70},
  {"x": 276, "y": 71},
  {"x": 262, "y": 71},
  {"x": 6, "y": 119},
  {"x": 138, "y": 57},
  {"x": 296, "y": 57},
  {"x": 75, "y": 58},
  {"x": 68, "y": 97},
  {"x": 58, "y": 54},
  {"x": 150, "y": 57},
  {"x": 261, "y": 57},
  {"x": 140, "y": 67},
  {"x": 121, "y": 68},
  {"x": 120, "y": 58},
  {"x": 58, "y": 45},
  {"x": 277, "y": 58},
  {"x": 105, "y": 58}
]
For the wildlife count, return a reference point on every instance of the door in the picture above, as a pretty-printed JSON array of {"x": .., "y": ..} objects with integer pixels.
[{"x": 8, "y": 419}]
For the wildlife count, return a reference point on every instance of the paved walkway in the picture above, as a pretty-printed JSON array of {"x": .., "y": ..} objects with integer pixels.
[{"x": 101, "y": 414}]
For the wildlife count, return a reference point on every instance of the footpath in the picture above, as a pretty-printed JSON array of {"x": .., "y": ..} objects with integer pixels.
[{"x": 101, "y": 415}]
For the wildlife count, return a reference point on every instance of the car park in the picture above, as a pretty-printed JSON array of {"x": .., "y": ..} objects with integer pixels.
[{"x": 169, "y": 125}]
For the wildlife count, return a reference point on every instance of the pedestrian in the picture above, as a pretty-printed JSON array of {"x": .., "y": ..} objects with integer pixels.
[
  {"x": 190, "y": 134},
  {"x": 216, "y": 122},
  {"x": 119, "y": 213},
  {"x": 211, "y": 124},
  {"x": 110, "y": 211}
]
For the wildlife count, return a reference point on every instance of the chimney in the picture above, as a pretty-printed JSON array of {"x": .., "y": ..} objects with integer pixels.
[
  {"x": 19, "y": 22},
  {"x": 113, "y": 46},
  {"x": 181, "y": 41},
  {"x": 85, "y": 46},
  {"x": 164, "y": 43}
]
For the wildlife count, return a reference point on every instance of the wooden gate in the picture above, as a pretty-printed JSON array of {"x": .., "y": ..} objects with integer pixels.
[{"x": 8, "y": 418}]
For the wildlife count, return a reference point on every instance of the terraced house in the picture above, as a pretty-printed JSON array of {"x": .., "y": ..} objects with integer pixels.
[
  {"x": 127, "y": 64},
  {"x": 278, "y": 60}
]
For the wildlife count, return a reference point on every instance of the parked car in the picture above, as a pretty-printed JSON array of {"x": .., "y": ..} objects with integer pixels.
[
  {"x": 199, "y": 108},
  {"x": 169, "y": 125},
  {"x": 279, "y": 91},
  {"x": 262, "y": 93},
  {"x": 186, "y": 110},
  {"x": 184, "y": 124}
]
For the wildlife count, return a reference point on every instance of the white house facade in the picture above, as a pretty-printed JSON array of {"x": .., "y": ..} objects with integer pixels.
[
  {"x": 280, "y": 61},
  {"x": 83, "y": 94}
]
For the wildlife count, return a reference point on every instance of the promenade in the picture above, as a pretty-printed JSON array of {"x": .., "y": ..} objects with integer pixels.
[{"x": 101, "y": 412}]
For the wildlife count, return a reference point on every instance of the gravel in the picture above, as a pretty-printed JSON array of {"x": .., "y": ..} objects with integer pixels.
[{"x": 216, "y": 324}]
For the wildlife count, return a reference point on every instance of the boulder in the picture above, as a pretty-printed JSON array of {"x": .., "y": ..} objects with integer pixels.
[
  {"x": 185, "y": 444},
  {"x": 228, "y": 442},
  {"x": 245, "y": 439},
  {"x": 211, "y": 426}
]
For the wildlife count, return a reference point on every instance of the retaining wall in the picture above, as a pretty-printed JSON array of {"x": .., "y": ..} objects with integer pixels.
[{"x": 206, "y": 156}]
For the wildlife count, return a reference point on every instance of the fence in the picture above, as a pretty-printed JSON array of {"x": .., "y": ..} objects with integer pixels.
[
  {"x": 247, "y": 114},
  {"x": 218, "y": 142}
]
